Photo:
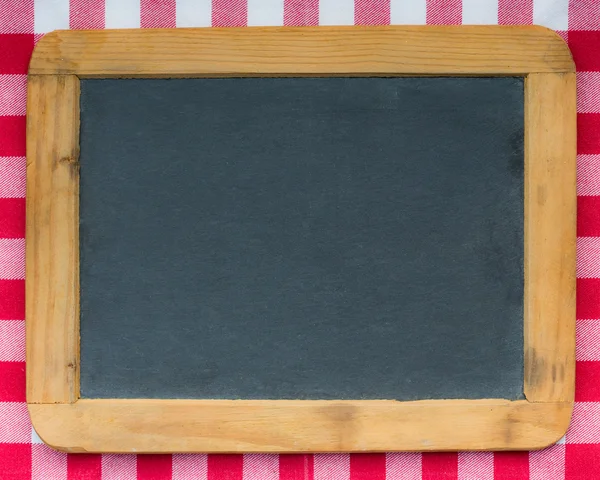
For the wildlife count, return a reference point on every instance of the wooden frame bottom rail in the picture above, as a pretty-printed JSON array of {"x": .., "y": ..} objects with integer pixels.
[{"x": 301, "y": 426}]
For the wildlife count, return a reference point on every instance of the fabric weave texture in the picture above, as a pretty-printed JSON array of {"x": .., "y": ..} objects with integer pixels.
[{"x": 22, "y": 454}]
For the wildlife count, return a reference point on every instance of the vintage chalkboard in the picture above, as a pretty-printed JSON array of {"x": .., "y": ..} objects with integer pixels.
[{"x": 280, "y": 261}]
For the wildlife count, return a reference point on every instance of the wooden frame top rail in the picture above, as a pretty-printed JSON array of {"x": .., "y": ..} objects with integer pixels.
[{"x": 440, "y": 50}]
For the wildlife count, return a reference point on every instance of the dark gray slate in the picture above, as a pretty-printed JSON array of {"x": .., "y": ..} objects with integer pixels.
[{"x": 310, "y": 238}]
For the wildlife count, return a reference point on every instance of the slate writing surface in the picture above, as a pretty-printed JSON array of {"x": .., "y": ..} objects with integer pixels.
[{"x": 302, "y": 238}]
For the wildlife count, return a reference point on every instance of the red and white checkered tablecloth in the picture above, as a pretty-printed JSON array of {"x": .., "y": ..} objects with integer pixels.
[{"x": 22, "y": 454}]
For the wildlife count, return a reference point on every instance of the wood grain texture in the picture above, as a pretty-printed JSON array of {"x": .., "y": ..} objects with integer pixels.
[
  {"x": 298, "y": 426},
  {"x": 52, "y": 246},
  {"x": 550, "y": 237},
  {"x": 222, "y": 52}
]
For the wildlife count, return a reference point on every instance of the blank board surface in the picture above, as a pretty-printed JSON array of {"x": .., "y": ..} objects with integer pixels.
[{"x": 302, "y": 238}]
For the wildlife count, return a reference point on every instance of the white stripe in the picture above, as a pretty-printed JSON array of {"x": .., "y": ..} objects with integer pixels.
[
  {"x": 408, "y": 12},
  {"x": 480, "y": 12},
  {"x": 261, "y": 467},
  {"x": 265, "y": 13},
  {"x": 588, "y": 340},
  {"x": 187, "y": 466},
  {"x": 553, "y": 14},
  {"x": 336, "y": 12},
  {"x": 193, "y": 13},
  {"x": 14, "y": 422},
  {"x": 588, "y": 91},
  {"x": 475, "y": 466},
  {"x": 50, "y": 15},
  {"x": 12, "y": 340},
  {"x": 585, "y": 423},
  {"x": 548, "y": 463},
  {"x": 119, "y": 467},
  {"x": 588, "y": 175},
  {"x": 403, "y": 466},
  {"x": 12, "y": 177},
  {"x": 12, "y": 259},
  {"x": 335, "y": 466},
  {"x": 47, "y": 464},
  {"x": 13, "y": 94},
  {"x": 588, "y": 257},
  {"x": 122, "y": 13}
]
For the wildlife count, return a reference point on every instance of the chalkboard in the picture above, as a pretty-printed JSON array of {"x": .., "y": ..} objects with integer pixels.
[{"x": 302, "y": 238}]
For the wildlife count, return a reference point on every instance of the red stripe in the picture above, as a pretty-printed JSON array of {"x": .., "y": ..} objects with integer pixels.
[
  {"x": 367, "y": 466},
  {"x": 296, "y": 467},
  {"x": 372, "y": 12},
  {"x": 588, "y": 298},
  {"x": 86, "y": 14},
  {"x": 582, "y": 462},
  {"x": 588, "y": 216},
  {"x": 15, "y": 52},
  {"x": 15, "y": 461},
  {"x": 438, "y": 466},
  {"x": 515, "y": 12},
  {"x": 154, "y": 467},
  {"x": 585, "y": 46},
  {"x": 511, "y": 465},
  {"x": 297, "y": 13},
  {"x": 229, "y": 13},
  {"x": 588, "y": 133},
  {"x": 587, "y": 387},
  {"x": 12, "y": 136},
  {"x": 444, "y": 12},
  {"x": 12, "y": 381},
  {"x": 12, "y": 217},
  {"x": 157, "y": 14},
  {"x": 12, "y": 300},
  {"x": 84, "y": 466},
  {"x": 225, "y": 467}
]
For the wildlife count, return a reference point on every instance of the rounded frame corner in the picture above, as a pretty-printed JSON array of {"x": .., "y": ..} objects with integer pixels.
[
  {"x": 557, "y": 42},
  {"x": 47, "y": 42},
  {"x": 39, "y": 414},
  {"x": 560, "y": 414}
]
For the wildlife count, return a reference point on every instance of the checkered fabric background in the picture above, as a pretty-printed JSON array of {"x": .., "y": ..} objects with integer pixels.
[{"x": 22, "y": 454}]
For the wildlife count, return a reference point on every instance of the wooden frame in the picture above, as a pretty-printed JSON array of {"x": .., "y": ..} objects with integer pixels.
[{"x": 52, "y": 282}]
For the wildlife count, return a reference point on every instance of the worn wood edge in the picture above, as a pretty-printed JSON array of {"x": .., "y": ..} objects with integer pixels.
[
  {"x": 298, "y": 51},
  {"x": 550, "y": 237},
  {"x": 234, "y": 426},
  {"x": 52, "y": 239}
]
